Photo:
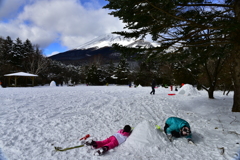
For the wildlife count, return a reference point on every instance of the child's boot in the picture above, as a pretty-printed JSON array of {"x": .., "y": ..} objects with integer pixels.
[
  {"x": 101, "y": 151},
  {"x": 91, "y": 143}
]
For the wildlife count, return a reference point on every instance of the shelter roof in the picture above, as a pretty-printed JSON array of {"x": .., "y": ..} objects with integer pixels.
[{"x": 21, "y": 74}]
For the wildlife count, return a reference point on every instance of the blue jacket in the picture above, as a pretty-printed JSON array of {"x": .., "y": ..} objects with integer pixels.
[{"x": 175, "y": 124}]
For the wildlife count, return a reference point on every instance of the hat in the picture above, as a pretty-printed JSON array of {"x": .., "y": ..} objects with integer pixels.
[{"x": 127, "y": 128}]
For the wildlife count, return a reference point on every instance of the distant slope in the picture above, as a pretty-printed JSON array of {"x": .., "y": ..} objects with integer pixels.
[
  {"x": 100, "y": 47},
  {"x": 84, "y": 56},
  {"x": 106, "y": 40}
]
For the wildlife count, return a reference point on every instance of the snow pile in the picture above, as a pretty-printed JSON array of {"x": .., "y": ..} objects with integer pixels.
[
  {"x": 53, "y": 84},
  {"x": 144, "y": 134},
  {"x": 188, "y": 90}
]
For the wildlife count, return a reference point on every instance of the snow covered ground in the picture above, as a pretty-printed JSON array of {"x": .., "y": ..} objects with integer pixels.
[{"x": 34, "y": 120}]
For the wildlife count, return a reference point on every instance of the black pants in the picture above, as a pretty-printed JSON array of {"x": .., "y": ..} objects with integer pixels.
[
  {"x": 165, "y": 128},
  {"x": 174, "y": 133},
  {"x": 153, "y": 90}
]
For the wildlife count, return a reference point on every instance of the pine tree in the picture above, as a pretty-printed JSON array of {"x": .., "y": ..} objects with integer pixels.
[
  {"x": 95, "y": 75},
  {"x": 180, "y": 24},
  {"x": 18, "y": 55},
  {"x": 2, "y": 58},
  {"x": 122, "y": 72},
  {"x": 6, "y": 55},
  {"x": 109, "y": 73},
  {"x": 28, "y": 49}
]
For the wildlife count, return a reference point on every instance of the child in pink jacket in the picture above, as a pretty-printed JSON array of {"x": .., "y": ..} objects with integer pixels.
[{"x": 111, "y": 142}]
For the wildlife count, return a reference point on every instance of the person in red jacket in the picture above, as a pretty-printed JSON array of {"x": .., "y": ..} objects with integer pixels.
[{"x": 111, "y": 142}]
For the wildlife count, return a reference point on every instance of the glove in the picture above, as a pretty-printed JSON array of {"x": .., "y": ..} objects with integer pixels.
[
  {"x": 169, "y": 136},
  {"x": 84, "y": 138},
  {"x": 190, "y": 141}
]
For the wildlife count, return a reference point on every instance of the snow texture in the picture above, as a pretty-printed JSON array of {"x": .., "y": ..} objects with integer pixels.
[{"x": 35, "y": 119}]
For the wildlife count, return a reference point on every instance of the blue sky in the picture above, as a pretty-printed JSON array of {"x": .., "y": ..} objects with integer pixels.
[{"x": 56, "y": 25}]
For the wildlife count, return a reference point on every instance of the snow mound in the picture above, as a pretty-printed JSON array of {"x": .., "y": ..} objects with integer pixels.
[
  {"x": 144, "y": 134},
  {"x": 139, "y": 86},
  {"x": 188, "y": 90},
  {"x": 53, "y": 84}
]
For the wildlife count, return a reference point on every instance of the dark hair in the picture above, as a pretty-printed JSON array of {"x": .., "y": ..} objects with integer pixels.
[
  {"x": 186, "y": 130},
  {"x": 127, "y": 128}
]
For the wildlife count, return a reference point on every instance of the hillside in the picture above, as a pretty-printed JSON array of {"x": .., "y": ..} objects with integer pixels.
[
  {"x": 85, "y": 56},
  {"x": 99, "y": 48}
]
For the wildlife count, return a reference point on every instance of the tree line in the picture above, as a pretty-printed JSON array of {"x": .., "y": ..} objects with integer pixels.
[
  {"x": 19, "y": 56},
  {"x": 209, "y": 72}
]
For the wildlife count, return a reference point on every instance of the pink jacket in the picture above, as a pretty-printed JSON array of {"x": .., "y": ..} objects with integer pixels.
[{"x": 121, "y": 136}]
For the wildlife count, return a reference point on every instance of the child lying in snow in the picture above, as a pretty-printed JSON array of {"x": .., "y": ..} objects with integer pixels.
[
  {"x": 177, "y": 127},
  {"x": 111, "y": 142}
]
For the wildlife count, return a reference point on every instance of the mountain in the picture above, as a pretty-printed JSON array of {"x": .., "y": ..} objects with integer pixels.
[
  {"x": 98, "y": 48},
  {"x": 106, "y": 40},
  {"x": 86, "y": 56}
]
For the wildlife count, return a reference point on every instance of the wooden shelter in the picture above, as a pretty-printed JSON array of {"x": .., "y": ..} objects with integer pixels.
[{"x": 25, "y": 77}]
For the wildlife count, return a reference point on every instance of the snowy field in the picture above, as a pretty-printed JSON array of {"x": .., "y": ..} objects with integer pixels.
[{"x": 34, "y": 120}]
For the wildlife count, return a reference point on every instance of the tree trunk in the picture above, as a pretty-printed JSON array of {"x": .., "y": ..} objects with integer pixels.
[
  {"x": 224, "y": 91},
  {"x": 236, "y": 98},
  {"x": 210, "y": 92},
  {"x": 236, "y": 56},
  {"x": 228, "y": 92}
]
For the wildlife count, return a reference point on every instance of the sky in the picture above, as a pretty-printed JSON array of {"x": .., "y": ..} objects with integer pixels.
[
  {"x": 34, "y": 120},
  {"x": 56, "y": 25}
]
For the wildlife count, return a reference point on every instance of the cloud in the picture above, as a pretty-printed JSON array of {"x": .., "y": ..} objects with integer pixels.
[
  {"x": 10, "y": 8},
  {"x": 35, "y": 34},
  {"x": 68, "y": 21}
]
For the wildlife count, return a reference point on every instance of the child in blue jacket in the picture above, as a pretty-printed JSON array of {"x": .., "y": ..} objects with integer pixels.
[{"x": 177, "y": 127}]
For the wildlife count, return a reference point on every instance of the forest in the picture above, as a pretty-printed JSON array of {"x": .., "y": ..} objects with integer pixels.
[{"x": 210, "y": 72}]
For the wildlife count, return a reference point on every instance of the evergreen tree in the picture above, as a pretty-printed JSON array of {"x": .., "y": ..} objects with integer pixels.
[
  {"x": 2, "y": 58},
  {"x": 122, "y": 71},
  {"x": 179, "y": 24},
  {"x": 28, "y": 52},
  {"x": 6, "y": 55},
  {"x": 110, "y": 72},
  {"x": 95, "y": 75},
  {"x": 144, "y": 76},
  {"x": 18, "y": 55}
]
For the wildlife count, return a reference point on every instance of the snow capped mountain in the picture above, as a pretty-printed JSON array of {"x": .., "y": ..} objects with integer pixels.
[
  {"x": 108, "y": 40},
  {"x": 140, "y": 43},
  {"x": 100, "y": 46}
]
